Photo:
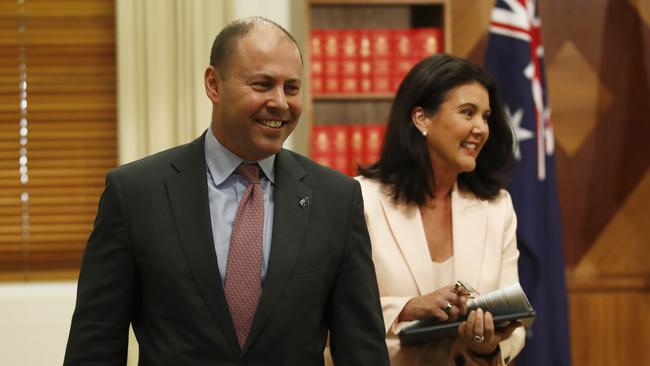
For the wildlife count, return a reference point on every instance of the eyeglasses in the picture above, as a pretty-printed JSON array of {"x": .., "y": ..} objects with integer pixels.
[{"x": 463, "y": 289}]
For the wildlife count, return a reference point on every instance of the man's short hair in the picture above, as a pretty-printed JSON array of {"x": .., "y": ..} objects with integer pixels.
[{"x": 225, "y": 44}]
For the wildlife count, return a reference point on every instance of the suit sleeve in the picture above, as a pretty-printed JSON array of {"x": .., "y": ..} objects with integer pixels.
[
  {"x": 357, "y": 328},
  {"x": 509, "y": 274},
  {"x": 100, "y": 323}
]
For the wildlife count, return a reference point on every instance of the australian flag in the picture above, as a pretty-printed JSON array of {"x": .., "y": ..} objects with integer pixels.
[{"x": 515, "y": 58}]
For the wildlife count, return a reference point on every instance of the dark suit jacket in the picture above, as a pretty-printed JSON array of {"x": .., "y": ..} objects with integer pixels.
[{"x": 150, "y": 261}]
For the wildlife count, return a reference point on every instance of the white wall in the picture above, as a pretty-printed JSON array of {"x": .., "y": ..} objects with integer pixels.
[{"x": 34, "y": 322}]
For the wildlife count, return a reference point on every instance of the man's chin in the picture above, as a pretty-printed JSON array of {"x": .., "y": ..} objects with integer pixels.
[{"x": 263, "y": 151}]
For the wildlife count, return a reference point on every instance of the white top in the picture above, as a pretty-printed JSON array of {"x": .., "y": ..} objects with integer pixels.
[{"x": 443, "y": 273}]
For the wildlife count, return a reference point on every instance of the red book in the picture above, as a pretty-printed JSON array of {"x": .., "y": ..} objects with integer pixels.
[
  {"x": 400, "y": 69},
  {"x": 373, "y": 139},
  {"x": 355, "y": 147},
  {"x": 331, "y": 76},
  {"x": 349, "y": 71},
  {"x": 381, "y": 71},
  {"x": 348, "y": 44},
  {"x": 321, "y": 140},
  {"x": 381, "y": 66},
  {"x": 331, "y": 43},
  {"x": 400, "y": 46},
  {"x": 340, "y": 142},
  {"x": 321, "y": 146},
  {"x": 381, "y": 84},
  {"x": 340, "y": 148},
  {"x": 365, "y": 44},
  {"x": 380, "y": 43},
  {"x": 317, "y": 85},
  {"x": 316, "y": 48},
  {"x": 324, "y": 160},
  {"x": 427, "y": 41},
  {"x": 341, "y": 163},
  {"x": 349, "y": 84},
  {"x": 316, "y": 43},
  {"x": 317, "y": 74},
  {"x": 317, "y": 67},
  {"x": 365, "y": 75},
  {"x": 349, "y": 67},
  {"x": 329, "y": 146}
]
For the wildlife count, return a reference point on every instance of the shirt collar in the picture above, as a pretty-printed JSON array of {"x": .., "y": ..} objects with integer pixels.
[{"x": 222, "y": 162}]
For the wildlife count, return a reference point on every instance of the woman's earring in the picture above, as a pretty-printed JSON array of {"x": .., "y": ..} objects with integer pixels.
[{"x": 424, "y": 133}]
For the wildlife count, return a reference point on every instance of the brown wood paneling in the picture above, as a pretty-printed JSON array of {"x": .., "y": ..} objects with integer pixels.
[
  {"x": 608, "y": 327},
  {"x": 598, "y": 64}
]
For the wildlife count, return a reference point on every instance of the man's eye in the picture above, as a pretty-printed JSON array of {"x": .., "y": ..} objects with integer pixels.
[
  {"x": 262, "y": 85},
  {"x": 468, "y": 112},
  {"x": 292, "y": 89}
]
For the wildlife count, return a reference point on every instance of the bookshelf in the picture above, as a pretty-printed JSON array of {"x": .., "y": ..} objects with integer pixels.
[{"x": 341, "y": 117}]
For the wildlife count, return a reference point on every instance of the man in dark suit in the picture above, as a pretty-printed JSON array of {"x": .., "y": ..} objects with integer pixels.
[{"x": 163, "y": 248}]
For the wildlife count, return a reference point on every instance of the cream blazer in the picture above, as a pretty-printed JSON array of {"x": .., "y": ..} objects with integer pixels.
[{"x": 484, "y": 250}]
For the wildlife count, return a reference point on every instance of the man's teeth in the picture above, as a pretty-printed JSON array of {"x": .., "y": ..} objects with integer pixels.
[
  {"x": 469, "y": 145},
  {"x": 271, "y": 123}
]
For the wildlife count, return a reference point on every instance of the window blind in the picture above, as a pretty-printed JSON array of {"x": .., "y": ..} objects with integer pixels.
[{"x": 57, "y": 130}]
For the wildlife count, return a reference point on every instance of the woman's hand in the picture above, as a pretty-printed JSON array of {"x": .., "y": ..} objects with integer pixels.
[
  {"x": 478, "y": 333},
  {"x": 444, "y": 304}
]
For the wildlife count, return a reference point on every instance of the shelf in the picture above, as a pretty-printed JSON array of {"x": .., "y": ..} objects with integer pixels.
[
  {"x": 331, "y": 113},
  {"x": 599, "y": 283},
  {"x": 354, "y": 97},
  {"x": 377, "y": 2}
]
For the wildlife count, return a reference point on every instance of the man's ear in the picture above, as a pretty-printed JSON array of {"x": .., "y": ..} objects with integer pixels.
[
  {"x": 420, "y": 119},
  {"x": 212, "y": 83}
]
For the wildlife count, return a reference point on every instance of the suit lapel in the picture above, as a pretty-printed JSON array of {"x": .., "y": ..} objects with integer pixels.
[
  {"x": 188, "y": 197},
  {"x": 469, "y": 225},
  {"x": 289, "y": 223},
  {"x": 405, "y": 222}
]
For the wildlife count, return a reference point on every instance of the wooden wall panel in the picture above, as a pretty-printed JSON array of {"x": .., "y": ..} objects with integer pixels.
[
  {"x": 598, "y": 67},
  {"x": 609, "y": 327}
]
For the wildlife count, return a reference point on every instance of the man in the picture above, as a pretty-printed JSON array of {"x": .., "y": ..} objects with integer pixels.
[{"x": 184, "y": 238}]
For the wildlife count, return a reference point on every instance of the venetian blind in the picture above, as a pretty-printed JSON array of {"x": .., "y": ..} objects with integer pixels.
[{"x": 57, "y": 129}]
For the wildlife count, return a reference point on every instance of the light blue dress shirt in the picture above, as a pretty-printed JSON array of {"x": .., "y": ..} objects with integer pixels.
[{"x": 225, "y": 189}]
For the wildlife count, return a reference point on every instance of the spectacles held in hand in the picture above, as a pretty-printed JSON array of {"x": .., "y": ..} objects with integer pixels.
[{"x": 463, "y": 289}]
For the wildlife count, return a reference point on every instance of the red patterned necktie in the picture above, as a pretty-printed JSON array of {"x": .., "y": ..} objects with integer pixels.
[{"x": 244, "y": 271}]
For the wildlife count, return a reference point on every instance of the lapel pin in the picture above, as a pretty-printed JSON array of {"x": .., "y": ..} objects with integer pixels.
[{"x": 305, "y": 202}]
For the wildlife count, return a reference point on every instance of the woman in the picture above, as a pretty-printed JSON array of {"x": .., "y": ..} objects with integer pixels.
[{"x": 437, "y": 212}]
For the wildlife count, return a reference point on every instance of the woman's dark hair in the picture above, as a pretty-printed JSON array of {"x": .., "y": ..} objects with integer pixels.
[{"x": 404, "y": 166}]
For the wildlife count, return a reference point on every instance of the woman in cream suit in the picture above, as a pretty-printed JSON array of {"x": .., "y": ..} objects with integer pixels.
[{"x": 437, "y": 212}]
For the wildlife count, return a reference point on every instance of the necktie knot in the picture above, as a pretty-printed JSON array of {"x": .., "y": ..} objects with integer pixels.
[{"x": 250, "y": 171}]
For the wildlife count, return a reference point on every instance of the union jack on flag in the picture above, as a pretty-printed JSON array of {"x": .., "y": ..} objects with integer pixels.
[
  {"x": 520, "y": 20},
  {"x": 515, "y": 58}
]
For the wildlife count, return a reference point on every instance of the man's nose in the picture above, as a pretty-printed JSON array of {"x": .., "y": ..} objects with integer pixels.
[{"x": 278, "y": 99}]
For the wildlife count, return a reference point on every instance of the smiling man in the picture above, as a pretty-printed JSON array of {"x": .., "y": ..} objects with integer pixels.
[{"x": 231, "y": 250}]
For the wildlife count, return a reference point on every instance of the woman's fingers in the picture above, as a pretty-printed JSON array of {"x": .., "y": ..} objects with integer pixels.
[
  {"x": 462, "y": 330},
  {"x": 455, "y": 313},
  {"x": 488, "y": 326},
  {"x": 462, "y": 308}
]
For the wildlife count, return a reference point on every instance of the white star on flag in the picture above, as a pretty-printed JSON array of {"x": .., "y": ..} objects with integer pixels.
[{"x": 521, "y": 134}]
